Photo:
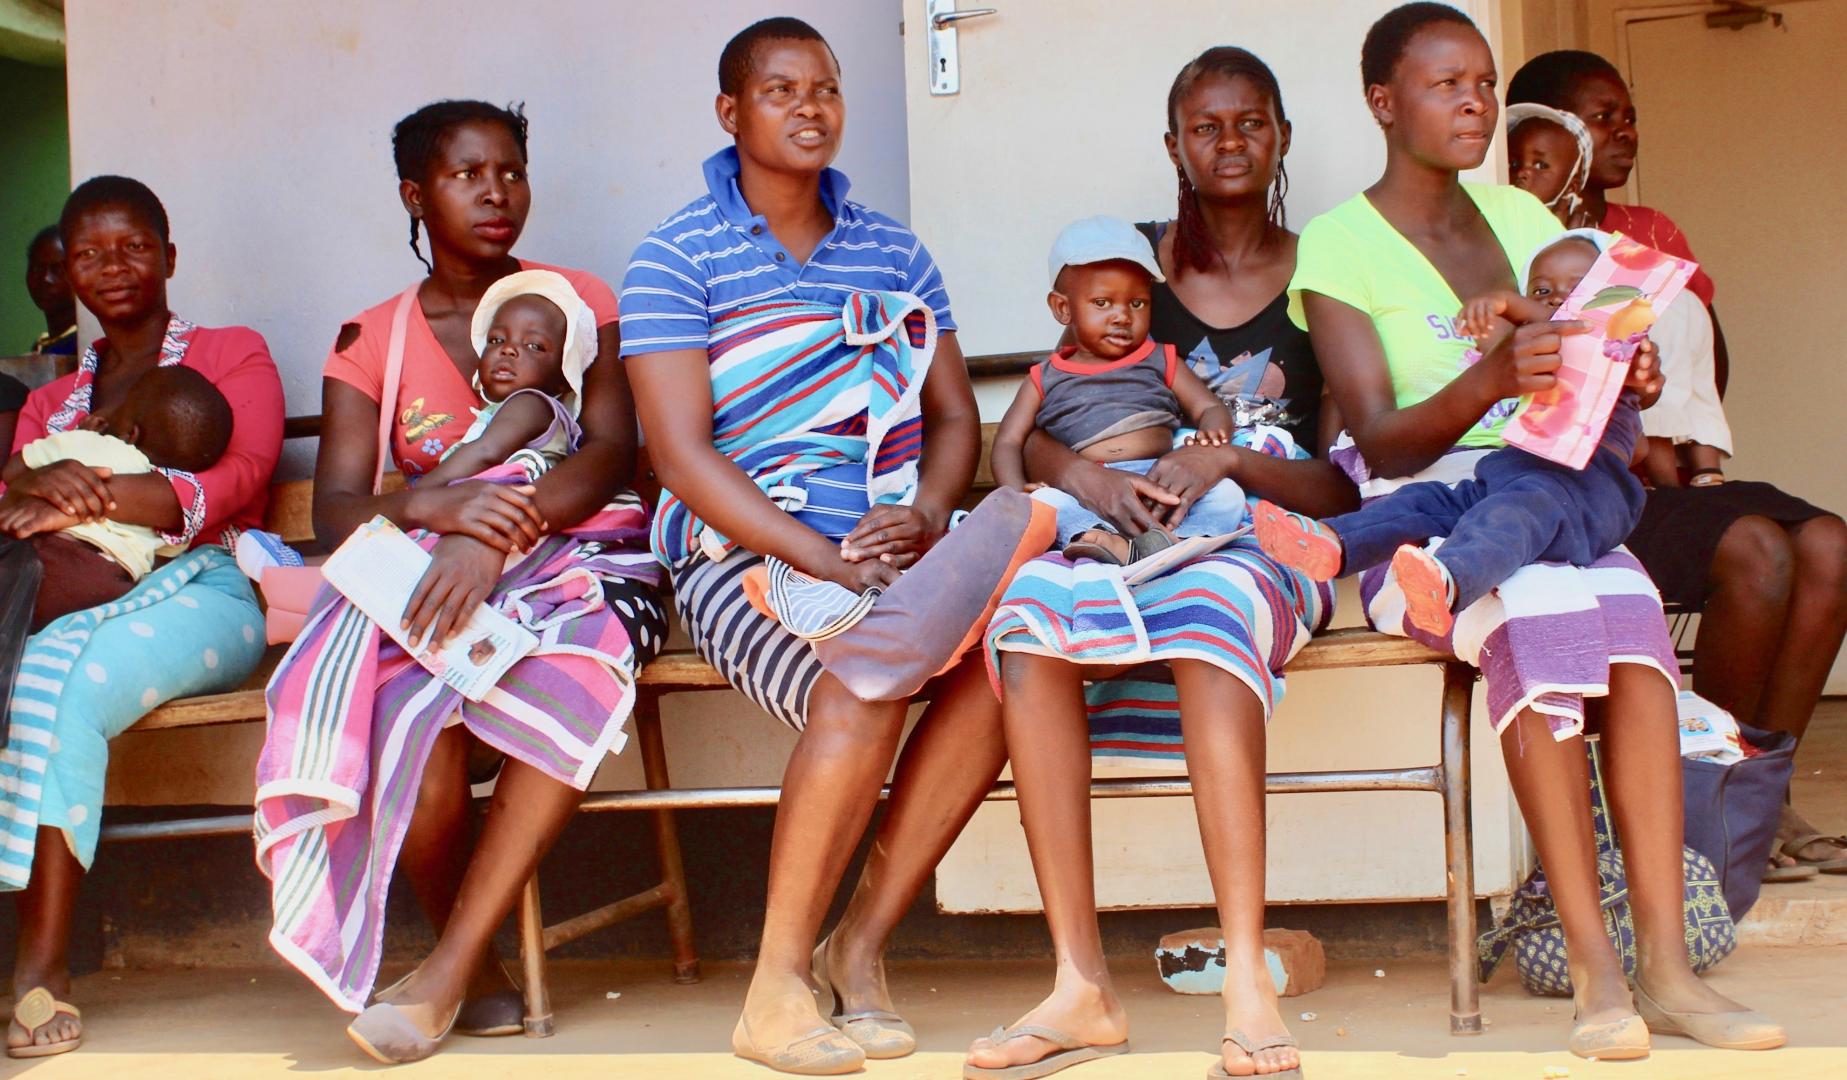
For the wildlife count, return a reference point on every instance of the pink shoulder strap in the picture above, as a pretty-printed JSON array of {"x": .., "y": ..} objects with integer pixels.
[{"x": 388, "y": 389}]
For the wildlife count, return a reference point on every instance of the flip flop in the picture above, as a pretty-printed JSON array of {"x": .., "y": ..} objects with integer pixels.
[
  {"x": 1776, "y": 873},
  {"x": 882, "y": 1035},
  {"x": 1251, "y": 1050},
  {"x": 1070, "y": 1051},
  {"x": 1794, "y": 844},
  {"x": 33, "y": 1011}
]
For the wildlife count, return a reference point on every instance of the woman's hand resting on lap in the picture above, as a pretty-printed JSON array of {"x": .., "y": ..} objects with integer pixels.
[
  {"x": 1132, "y": 504},
  {"x": 1187, "y": 473},
  {"x": 463, "y": 570},
  {"x": 893, "y": 534}
]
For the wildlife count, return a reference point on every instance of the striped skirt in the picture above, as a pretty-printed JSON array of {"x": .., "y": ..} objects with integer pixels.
[
  {"x": 1236, "y": 609},
  {"x": 353, "y": 720}
]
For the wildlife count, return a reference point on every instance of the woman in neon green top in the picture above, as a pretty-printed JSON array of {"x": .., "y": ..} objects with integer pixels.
[{"x": 1378, "y": 281}]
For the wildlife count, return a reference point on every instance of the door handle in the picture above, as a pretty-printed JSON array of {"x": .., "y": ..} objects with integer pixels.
[
  {"x": 947, "y": 17},
  {"x": 940, "y": 19}
]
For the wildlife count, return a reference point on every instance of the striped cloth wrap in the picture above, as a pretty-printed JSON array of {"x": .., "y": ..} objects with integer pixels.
[
  {"x": 352, "y": 720},
  {"x": 1545, "y": 639},
  {"x": 1236, "y": 609},
  {"x": 798, "y": 387}
]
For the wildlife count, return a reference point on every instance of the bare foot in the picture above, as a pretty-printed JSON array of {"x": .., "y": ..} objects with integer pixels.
[
  {"x": 1081, "y": 1010},
  {"x": 1250, "y": 1008}
]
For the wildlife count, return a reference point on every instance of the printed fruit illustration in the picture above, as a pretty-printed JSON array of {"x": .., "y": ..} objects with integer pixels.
[
  {"x": 1633, "y": 319},
  {"x": 1630, "y": 255},
  {"x": 1538, "y": 415}
]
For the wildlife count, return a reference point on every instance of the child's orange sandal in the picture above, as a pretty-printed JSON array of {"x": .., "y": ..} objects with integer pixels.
[
  {"x": 1297, "y": 541},
  {"x": 33, "y": 1011},
  {"x": 1426, "y": 590}
]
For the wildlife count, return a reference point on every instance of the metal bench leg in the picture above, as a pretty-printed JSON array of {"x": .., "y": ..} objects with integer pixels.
[
  {"x": 667, "y": 841},
  {"x": 538, "y": 1020},
  {"x": 1459, "y": 848}
]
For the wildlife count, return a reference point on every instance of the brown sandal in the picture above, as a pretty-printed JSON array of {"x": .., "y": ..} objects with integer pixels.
[{"x": 33, "y": 1011}]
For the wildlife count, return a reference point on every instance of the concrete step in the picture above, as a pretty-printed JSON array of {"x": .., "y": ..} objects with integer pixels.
[{"x": 1811, "y": 912}]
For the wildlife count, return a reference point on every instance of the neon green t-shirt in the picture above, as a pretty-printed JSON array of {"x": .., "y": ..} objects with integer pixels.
[{"x": 1354, "y": 255}]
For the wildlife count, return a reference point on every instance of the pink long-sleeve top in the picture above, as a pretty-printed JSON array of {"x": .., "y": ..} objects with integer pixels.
[{"x": 229, "y": 496}]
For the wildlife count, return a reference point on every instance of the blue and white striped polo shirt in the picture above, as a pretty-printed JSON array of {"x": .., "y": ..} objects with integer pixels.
[{"x": 715, "y": 256}]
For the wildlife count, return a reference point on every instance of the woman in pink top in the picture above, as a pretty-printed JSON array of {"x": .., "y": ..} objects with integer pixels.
[
  {"x": 462, "y": 172},
  {"x": 189, "y": 627}
]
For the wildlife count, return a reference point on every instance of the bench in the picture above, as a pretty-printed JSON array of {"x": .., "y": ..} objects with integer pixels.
[{"x": 683, "y": 672}]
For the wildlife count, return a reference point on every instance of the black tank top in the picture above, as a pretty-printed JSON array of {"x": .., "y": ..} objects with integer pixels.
[{"x": 1267, "y": 358}]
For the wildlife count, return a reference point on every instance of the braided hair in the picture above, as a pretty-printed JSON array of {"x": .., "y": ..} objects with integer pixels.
[
  {"x": 1388, "y": 39},
  {"x": 417, "y": 139},
  {"x": 1193, "y": 248},
  {"x": 1551, "y": 78}
]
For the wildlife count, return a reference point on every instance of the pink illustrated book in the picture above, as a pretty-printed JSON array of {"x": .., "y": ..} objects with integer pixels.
[{"x": 1627, "y": 285}]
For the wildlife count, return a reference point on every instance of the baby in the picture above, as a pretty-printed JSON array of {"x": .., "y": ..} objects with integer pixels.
[
  {"x": 536, "y": 337},
  {"x": 172, "y": 418},
  {"x": 1518, "y": 509},
  {"x": 1114, "y": 396},
  {"x": 1549, "y": 157}
]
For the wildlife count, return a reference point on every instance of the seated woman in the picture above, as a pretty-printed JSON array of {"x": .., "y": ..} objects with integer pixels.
[
  {"x": 190, "y": 626},
  {"x": 1225, "y": 625},
  {"x": 1378, "y": 278},
  {"x": 777, "y": 334},
  {"x": 353, "y": 786},
  {"x": 1766, "y": 570}
]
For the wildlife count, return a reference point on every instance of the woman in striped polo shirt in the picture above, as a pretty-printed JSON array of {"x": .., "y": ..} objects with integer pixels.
[{"x": 773, "y": 234}]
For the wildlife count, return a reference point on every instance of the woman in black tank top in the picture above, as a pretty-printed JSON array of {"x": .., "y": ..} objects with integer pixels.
[{"x": 1228, "y": 260}]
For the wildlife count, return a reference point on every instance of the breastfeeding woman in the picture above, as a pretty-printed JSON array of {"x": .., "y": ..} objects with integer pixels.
[{"x": 190, "y": 626}]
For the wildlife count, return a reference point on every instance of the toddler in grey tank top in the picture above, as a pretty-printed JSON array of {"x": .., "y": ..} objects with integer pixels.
[{"x": 1113, "y": 395}]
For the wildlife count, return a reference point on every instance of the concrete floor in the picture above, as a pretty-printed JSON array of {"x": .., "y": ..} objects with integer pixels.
[
  {"x": 230, "y": 1023},
  {"x": 224, "y": 1023}
]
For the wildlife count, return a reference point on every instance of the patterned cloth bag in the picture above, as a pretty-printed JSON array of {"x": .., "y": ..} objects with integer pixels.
[{"x": 1531, "y": 926}]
